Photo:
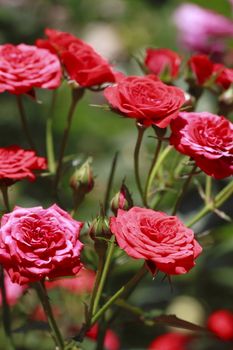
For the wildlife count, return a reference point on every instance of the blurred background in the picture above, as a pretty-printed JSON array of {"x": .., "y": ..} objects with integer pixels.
[{"x": 119, "y": 30}]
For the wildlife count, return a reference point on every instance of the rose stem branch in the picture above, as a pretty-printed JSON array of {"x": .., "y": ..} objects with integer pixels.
[
  {"x": 120, "y": 293},
  {"x": 157, "y": 161},
  {"x": 208, "y": 188},
  {"x": 43, "y": 296},
  {"x": 110, "y": 251},
  {"x": 110, "y": 182},
  {"x": 6, "y": 311},
  {"x": 155, "y": 158},
  {"x": 183, "y": 190},
  {"x": 24, "y": 122},
  {"x": 76, "y": 96},
  {"x": 219, "y": 199},
  {"x": 5, "y": 306},
  {"x": 4, "y": 190},
  {"x": 141, "y": 130},
  {"x": 49, "y": 135}
]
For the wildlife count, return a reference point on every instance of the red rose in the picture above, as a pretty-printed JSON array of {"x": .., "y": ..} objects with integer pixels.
[
  {"x": 111, "y": 341},
  {"x": 24, "y": 67},
  {"x": 17, "y": 163},
  {"x": 148, "y": 100},
  {"x": 224, "y": 75},
  {"x": 82, "y": 63},
  {"x": 202, "y": 68},
  {"x": 36, "y": 243},
  {"x": 162, "y": 240},
  {"x": 220, "y": 323},
  {"x": 57, "y": 41},
  {"x": 170, "y": 341},
  {"x": 208, "y": 139},
  {"x": 163, "y": 61}
]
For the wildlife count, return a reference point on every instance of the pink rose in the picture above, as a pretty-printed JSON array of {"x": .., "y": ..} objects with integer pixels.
[
  {"x": 208, "y": 139},
  {"x": 202, "y": 30},
  {"x": 13, "y": 291},
  {"x": 82, "y": 283},
  {"x": 111, "y": 341},
  {"x": 24, "y": 67},
  {"x": 162, "y": 240},
  {"x": 36, "y": 243}
]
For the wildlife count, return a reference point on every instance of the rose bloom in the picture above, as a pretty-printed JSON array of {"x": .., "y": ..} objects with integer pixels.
[
  {"x": 24, "y": 67},
  {"x": 36, "y": 243},
  {"x": 111, "y": 341},
  {"x": 82, "y": 283},
  {"x": 17, "y": 164},
  {"x": 82, "y": 63},
  {"x": 202, "y": 30},
  {"x": 204, "y": 69},
  {"x": 220, "y": 323},
  {"x": 13, "y": 291},
  {"x": 162, "y": 240},
  {"x": 170, "y": 341},
  {"x": 146, "y": 99},
  {"x": 163, "y": 61},
  {"x": 208, "y": 139}
]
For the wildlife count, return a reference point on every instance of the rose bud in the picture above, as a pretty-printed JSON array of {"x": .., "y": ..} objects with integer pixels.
[
  {"x": 82, "y": 182},
  {"x": 99, "y": 228},
  {"x": 99, "y": 231},
  {"x": 121, "y": 200}
]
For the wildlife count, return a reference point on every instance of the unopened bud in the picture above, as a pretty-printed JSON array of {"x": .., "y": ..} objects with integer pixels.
[
  {"x": 121, "y": 200},
  {"x": 99, "y": 228},
  {"x": 82, "y": 180}
]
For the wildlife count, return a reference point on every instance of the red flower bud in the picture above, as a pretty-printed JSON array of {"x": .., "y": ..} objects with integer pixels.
[{"x": 121, "y": 200}]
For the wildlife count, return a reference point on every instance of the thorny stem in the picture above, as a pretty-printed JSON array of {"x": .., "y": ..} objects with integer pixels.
[
  {"x": 49, "y": 136},
  {"x": 141, "y": 130},
  {"x": 24, "y": 121}
]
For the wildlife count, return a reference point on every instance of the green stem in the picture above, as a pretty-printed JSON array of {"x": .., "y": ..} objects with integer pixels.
[
  {"x": 155, "y": 158},
  {"x": 141, "y": 130},
  {"x": 76, "y": 96},
  {"x": 49, "y": 136},
  {"x": 134, "y": 280},
  {"x": 104, "y": 274},
  {"x": 4, "y": 190},
  {"x": 110, "y": 182},
  {"x": 55, "y": 333},
  {"x": 183, "y": 190},
  {"x": 6, "y": 311},
  {"x": 156, "y": 167},
  {"x": 24, "y": 122},
  {"x": 220, "y": 198},
  {"x": 208, "y": 187}
]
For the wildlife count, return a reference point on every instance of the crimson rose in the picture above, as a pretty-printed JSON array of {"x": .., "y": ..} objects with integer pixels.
[
  {"x": 162, "y": 240},
  {"x": 147, "y": 99},
  {"x": 208, "y": 139},
  {"x": 17, "y": 163},
  {"x": 24, "y": 67},
  {"x": 36, "y": 243},
  {"x": 163, "y": 61},
  {"x": 82, "y": 63}
]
